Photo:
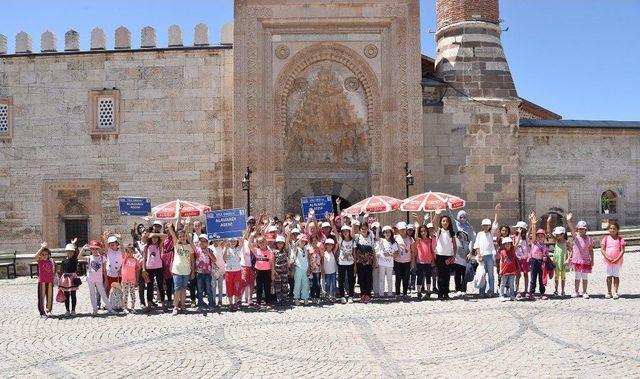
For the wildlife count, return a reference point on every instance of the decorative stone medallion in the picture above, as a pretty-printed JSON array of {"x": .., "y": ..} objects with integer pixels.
[
  {"x": 282, "y": 51},
  {"x": 351, "y": 83},
  {"x": 300, "y": 84},
  {"x": 371, "y": 51}
]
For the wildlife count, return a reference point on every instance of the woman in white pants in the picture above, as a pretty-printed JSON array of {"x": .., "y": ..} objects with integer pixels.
[
  {"x": 96, "y": 273},
  {"x": 385, "y": 251}
]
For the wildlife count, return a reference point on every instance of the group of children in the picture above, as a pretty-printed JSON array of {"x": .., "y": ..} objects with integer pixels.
[{"x": 284, "y": 260}]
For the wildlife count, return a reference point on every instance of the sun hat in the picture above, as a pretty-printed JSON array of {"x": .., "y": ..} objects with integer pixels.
[
  {"x": 559, "y": 230},
  {"x": 520, "y": 224},
  {"x": 375, "y": 225},
  {"x": 507, "y": 240},
  {"x": 251, "y": 219},
  {"x": 411, "y": 226},
  {"x": 486, "y": 222},
  {"x": 70, "y": 247},
  {"x": 157, "y": 222},
  {"x": 280, "y": 239},
  {"x": 387, "y": 228},
  {"x": 295, "y": 230},
  {"x": 329, "y": 241},
  {"x": 325, "y": 225},
  {"x": 94, "y": 244},
  {"x": 345, "y": 227},
  {"x": 112, "y": 239},
  {"x": 582, "y": 225},
  {"x": 203, "y": 237},
  {"x": 355, "y": 222},
  {"x": 401, "y": 225}
]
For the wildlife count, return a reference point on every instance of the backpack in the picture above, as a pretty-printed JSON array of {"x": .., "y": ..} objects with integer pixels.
[{"x": 115, "y": 297}]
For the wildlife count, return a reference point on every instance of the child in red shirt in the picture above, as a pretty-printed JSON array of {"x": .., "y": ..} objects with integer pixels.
[
  {"x": 508, "y": 268},
  {"x": 46, "y": 268},
  {"x": 130, "y": 269}
]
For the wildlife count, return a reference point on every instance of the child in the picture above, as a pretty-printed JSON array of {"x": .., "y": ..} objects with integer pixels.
[
  {"x": 582, "y": 256},
  {"x": 130, "y": 269},
  {"x": 365, "y": 261},
  {"x": 485, "y": 250},
  {"x": 281, "y": 265},
  {"x": 152, "y": 268},
  {"x": 217, "y": 275},
  {"x": 183, "y": 267},
  {"x": 167, "y": 263},
  {"x": 612, "y": 249},
  {"x": 46, "y": 269},
  {"x": 402, "y": 259},
  {"x": 346, "y": 263},
  {"x": 69, "y": 280},
  {"x": 504, "y": 231},
  {"x": 508, "y": 268},
  {"x": 422, "y": 258},
  {"x": 539, "y": 257},
  {"x": 521, "y": 245},
  {"x": 264, "y": 269},
  {"x": 233, "y": 276},
  {"x": 114, "y": 259},
  {"x": 96, "y": 272},
  {"x": 385, "y": 251},
  {"x": 446, "y": 248},
  {"x": 316, "y": 252},
  {"x": 300, "y": 262},
  {"x": 329, "y": 269},
  {"x": 560, "y": 257},
  {"x": 205, "y": 260}
]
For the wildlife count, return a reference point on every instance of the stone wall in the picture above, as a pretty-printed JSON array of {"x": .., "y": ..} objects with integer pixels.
[
  {"x": 174, "y": 138},
  {"x": 574, "y": 166}
]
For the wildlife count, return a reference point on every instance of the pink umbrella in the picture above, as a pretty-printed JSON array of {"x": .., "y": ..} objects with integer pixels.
[
  {"x": 168, "y": 210},
  {"x": 374, "y": 204},
  {"x": 431, "y": 201}
]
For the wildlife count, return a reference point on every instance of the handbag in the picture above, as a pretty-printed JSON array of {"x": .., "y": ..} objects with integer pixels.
[
  {"x": 479, "y": 280},
  {"x": 469, "y": 273},
  {"x": 61, "y": 296},
  {"x": 76, "y": 282}
]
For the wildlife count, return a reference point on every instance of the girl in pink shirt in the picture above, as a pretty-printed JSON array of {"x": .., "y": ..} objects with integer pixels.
[
  {"x": 581, "y": 256},
  {"x": 46, "y": 268},
  {"x": 422, "y": 253},
  {"x": 130, "y": 269},
  {"x": 612, "y": 249}
]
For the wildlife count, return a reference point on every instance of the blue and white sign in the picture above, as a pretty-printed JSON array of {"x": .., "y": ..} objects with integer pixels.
[
  {"x": 135, "y": 206},
  {"x": 319, "y": 204},
  {"x": 226, "y": 223}
]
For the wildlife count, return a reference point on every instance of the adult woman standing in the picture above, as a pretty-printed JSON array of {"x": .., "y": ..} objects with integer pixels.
[
  {"x": 183, "y": 268},
  {"x": 445, "y": 253},
  {"x": 346, "y": 263},
  {"x": 402, "y": 259},
  {"x": 365, "y": 261}
]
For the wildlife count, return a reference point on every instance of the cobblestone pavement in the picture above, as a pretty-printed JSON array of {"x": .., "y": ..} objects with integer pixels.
[{"x": 480, "y": 337}]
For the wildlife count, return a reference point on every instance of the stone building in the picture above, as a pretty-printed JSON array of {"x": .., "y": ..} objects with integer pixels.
[{"x": 316, "y": 98}]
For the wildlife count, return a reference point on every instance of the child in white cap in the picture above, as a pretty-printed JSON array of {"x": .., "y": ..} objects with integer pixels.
[
  {"x": 581, "y": 257},
  {"x": 508, "y": 269}
]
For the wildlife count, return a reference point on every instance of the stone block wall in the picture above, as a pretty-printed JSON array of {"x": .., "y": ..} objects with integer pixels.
[
  {"x": 174, "y": 138},
  {"x": 574, "y": 166}
]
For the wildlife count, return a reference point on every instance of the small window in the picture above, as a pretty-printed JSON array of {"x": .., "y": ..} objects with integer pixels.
[
  {"x": 609, "y": 202},
  {"x": 104, "y": 108},
  {"x": 6, "y": 119},
  {"x": 76, "y": 228}
]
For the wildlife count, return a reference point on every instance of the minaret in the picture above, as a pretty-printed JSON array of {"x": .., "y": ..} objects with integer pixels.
[{"x": 469, "y": 52}]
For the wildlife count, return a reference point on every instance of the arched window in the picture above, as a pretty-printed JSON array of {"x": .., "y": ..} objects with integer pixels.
[{"x": 609, "y": 202}]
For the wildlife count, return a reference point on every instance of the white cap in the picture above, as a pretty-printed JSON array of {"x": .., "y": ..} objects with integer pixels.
[
  {"x": 401, "y": 225},
  {"x": 507, "y": 240},
  {"x": 387, "y": 227},
  {"x": 429, "y": 225},
  {"x": 375, "y": 225},
  {"x": 329, "y": 241},
  {"x": 355, "y": 222},
  {"x": 295, "y": 230},
  {"x": 112, "y": 239},
  {"x": 70, "y": 247},
  {"x": 325, "y": 225},
  {"x": 486, "y": 221},
  {"x": 521, "y": 224},
  {"x": 345, "y": 227},
  {"x": 157, "y": 222},
  {"x": 559, "y": 230},
  {"x": 272, "y": 229},
  {"x": 411, "y": 226},
  {"x": 311, "y": 224},
  {"x": 280, "y": 239},
  {"x": 203, "y": 237},
  {"x": 582, "y": 225}
]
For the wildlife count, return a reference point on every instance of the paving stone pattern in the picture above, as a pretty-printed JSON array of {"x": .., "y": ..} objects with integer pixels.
[{"x": 479, "y": 337}]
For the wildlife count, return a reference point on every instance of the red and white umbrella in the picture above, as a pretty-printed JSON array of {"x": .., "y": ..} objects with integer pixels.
[
  {"x": 431, "y": 201},
  {"x": 169, "y": 210},
  {"x": 374, "y": 204}
]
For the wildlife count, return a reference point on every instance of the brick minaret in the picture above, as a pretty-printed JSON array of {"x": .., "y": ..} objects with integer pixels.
[
  {"x": 469, "y": 52},
  {"x": 481, "y": 100}
]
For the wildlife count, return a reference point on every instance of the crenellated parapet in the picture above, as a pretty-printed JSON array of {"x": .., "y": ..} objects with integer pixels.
[{"x": 121, "y": 39}]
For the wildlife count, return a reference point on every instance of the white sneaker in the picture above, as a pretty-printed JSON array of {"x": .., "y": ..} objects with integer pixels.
[
  {"x": 574, "y": 295},
  {"x": 94, "y": 312},
  {"x": 585, "y": 295},
  {"x": 607, "y": 296},
  {"x": 175, "y": 312},
  {"x": 350, "y": 300},
  {"x": 503, "y": 299},
  {"x": 343, "y": 300},
  {"x": 615, "y": 296},
  {"x": 306, "y": 302}
]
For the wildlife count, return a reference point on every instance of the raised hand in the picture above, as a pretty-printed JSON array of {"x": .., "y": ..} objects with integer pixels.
[
  {"x": 74, "y": 241},
  {"x": 532, "y": 216},
  {"x": 498, "y": 207},
  {"x": 43, "y": 245},
  {"x": 569, "y": 216},
  {"x": 550, "y": 218},
  {"x": 338, "y": 201},
  {"x": 105, "y": 234}
]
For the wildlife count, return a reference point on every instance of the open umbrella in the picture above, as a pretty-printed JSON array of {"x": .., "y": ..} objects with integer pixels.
[
  {"x": 431, "y": 201},
  {"x": 374, "y": 204},
  {"x": 169, "y": 210}
]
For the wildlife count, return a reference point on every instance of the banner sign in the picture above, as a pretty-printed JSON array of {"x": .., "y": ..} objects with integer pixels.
[
  {"x": 226, "y": 223},
  {"x": 319, "y": 204},
  {"x": 135, "y": 206}
]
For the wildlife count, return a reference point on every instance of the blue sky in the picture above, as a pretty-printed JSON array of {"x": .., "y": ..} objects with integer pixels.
[{"x": 579, "y": 58}]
